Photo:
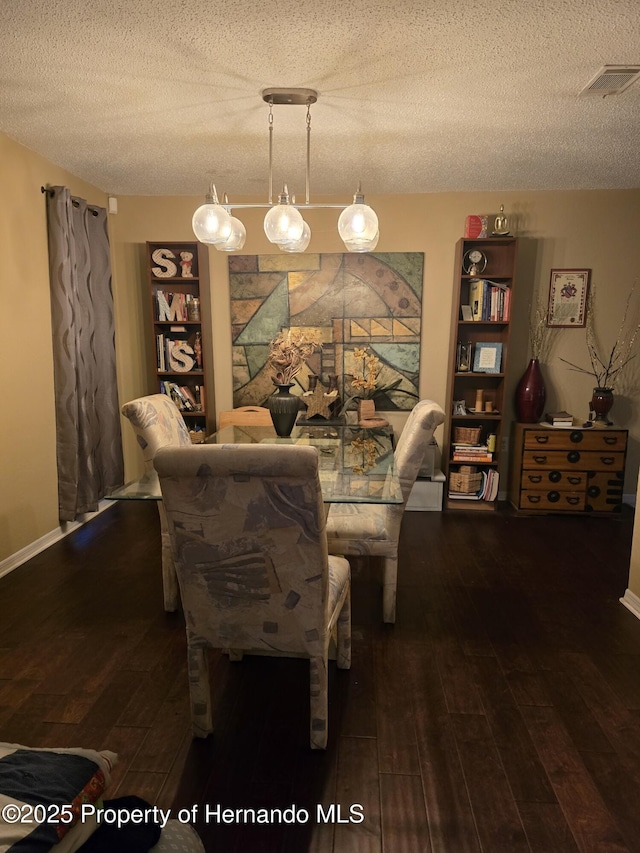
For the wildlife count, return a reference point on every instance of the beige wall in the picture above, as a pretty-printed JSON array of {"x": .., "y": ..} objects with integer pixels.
[{"x": 557, "y": 229}]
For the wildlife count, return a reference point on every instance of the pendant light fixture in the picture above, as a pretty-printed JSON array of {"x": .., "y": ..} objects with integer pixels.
[{"x": 284, "y": 225}]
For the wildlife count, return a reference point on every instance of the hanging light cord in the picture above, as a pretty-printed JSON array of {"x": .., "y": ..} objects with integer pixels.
[{"x": 308, "y": 173}]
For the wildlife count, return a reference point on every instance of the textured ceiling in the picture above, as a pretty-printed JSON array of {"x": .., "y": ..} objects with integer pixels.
[{"x": 158, "y": 98}]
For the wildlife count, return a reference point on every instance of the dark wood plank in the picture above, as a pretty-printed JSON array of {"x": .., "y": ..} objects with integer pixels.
[
  {"x": 358, "y": 795},
  {"x": 592, "y": 824},
  {"x": 546, "y": 828},
  {"x": 397, "y": 748},
  {"x": 526, "y": 776},
  {"x": 450, "y": 815},
  {"x": 496, "y": 815},
  {"x": 405, "y": 828}
]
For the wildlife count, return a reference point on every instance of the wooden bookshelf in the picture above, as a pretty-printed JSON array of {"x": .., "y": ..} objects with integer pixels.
[
  {"x": 479, "y": 371},
  {"x": 181, "y": 357}
]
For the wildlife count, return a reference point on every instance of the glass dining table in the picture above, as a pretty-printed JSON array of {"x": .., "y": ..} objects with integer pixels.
[{"x": 355, "y": 465}]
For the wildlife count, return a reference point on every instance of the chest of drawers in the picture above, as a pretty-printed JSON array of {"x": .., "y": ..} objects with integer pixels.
[{"x": 567, "y": 470}]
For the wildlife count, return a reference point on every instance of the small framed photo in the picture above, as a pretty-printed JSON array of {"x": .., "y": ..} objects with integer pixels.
[
  {"x": 568, "y": 298},
  {"x": 459, "y": 407},
  {"x": 467, "y": 313},
  {"x": 487, "y": 358}
]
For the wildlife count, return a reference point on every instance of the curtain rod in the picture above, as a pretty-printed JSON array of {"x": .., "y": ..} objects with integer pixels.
[{"x": 74, "y": 201}]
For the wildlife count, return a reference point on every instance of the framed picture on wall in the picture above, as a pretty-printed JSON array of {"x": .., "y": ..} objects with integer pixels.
[{"x": 568, "y": 298}]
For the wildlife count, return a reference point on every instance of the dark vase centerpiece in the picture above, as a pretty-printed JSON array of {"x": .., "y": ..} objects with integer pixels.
[
  {"x": 287, "y": 355},
  {"x": 531, "y": 394},
  {"x": 601, "y": 403},
  {"x": 283, "y": 408}
]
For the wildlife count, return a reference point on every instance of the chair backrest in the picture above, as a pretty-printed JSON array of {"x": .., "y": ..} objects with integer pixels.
[
  {"x": 414, "y": 439},
  {"x": 157, "y": 422},
  {"x": 249, "y": 542},
  {"x": 245, "y": 416}
]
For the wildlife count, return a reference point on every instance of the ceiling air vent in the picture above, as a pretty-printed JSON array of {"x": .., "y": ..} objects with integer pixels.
[{"x": 612, "y": 80}]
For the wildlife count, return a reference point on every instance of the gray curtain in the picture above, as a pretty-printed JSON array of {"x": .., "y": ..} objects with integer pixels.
[{"x": 88, "y": 438}]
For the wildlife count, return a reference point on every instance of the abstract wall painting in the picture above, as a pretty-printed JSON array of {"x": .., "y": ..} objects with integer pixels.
[{"x": 349, "y": 301}]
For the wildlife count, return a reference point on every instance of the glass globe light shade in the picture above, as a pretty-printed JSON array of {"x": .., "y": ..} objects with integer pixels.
[
  {"x": 358, "y": 222},
  {"x": 301, "y": 243},
  {"x": 283, "y": 223},
  {"x": 211, "y": 222},
  {"x": 236, "y": 236},
  {"x": 362, "y": 245}
]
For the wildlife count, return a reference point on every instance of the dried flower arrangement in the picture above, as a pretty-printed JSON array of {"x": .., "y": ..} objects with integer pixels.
[
  {"x": 365, "y": 382},
  {"x": 606, "y": 370},
  {"x": 288, "y": 353},
  {"x": 539, "y": 333}
]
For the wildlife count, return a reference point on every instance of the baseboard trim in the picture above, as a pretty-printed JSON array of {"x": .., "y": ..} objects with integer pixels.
[
  {"x": 24, "y": 554},
  {"x": 632, "y": 602}
]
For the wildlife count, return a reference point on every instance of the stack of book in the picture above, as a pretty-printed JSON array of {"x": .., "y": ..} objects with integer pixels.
[
  {"x": 559, "y": 419},
  {"x": 477, "y": 453},
  {"x": 185, "y": 398},
  {"x": 489, "y": 300},
  {"x": 488, "y": 490}
]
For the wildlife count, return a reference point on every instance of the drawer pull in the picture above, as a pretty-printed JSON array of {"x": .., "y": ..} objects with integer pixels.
[
  {"x": 555, "y": 476},
  {"x": 542, "y": 439},
  {"x": 553, "y": 497},
  {"x": 573, "y": 501},
  {"x": 533, "y": 499},
  {"x": 610, "y": 439},
  {"x": 573, "y": 456},
  {"x": 540, "y": 459},
  {"x": 534, "y": 478},
  {"x": 607, "y": 460},
  {"x": 575, "y": 481},
  {"x": 576, "y": 436}
]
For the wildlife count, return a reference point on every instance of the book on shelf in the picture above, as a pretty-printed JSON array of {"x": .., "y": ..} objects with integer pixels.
[
  {"x": 488, "y": 490},
  {"x": 489, "y": 300},
  {"x": 556, "y": 418},
  {"x": 473, "y": 457},
  {"x": 173, "y": 307}
]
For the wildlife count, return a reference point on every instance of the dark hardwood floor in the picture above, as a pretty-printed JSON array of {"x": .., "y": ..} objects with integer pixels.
[{"x": 500, "y": 713}]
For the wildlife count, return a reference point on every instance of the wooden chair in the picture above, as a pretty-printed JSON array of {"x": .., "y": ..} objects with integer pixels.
[
  {"x": 157, "y": 422},
  {"x": 374, "y": 529},
  {"x": 245, "y": 416},
  {"x": 247, "y": 531}
]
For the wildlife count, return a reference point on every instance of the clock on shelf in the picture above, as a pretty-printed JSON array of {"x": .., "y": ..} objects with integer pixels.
[{"x": 474, "y": 262}]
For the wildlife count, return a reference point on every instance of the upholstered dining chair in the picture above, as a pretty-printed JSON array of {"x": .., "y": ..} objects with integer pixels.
[
  {"x": 157, "y": 422},
  {"x": 374, "y": 529},
  {"x": 247, "y": 529},
  {"x": 245, "y": 416}
]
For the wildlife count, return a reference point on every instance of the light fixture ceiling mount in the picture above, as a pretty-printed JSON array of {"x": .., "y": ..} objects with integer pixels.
[
  {"x": 283, "y": 224},
  {"x": 299, "y": 97}
]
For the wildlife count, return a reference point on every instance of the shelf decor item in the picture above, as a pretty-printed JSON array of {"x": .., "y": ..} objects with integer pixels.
[
  {"x": 531, "y": 394},
  {"x": 487, "y": 357}
]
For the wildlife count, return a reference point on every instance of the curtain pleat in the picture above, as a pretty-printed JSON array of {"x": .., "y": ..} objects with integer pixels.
[{"x": 88, "y": 437}]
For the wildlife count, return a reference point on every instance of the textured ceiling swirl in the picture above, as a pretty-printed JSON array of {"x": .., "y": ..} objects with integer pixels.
[{"x": 159, "y": 98}]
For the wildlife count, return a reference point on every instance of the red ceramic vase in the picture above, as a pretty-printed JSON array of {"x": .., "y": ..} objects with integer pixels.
[
  {"x": 530, "y": 394},
  {"x": 601, "y": 403}
]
